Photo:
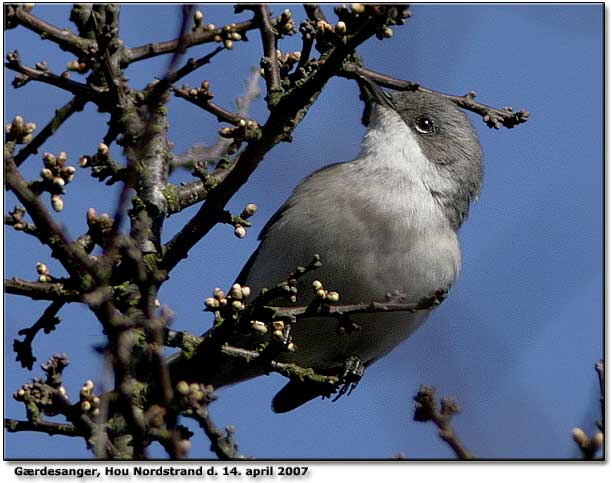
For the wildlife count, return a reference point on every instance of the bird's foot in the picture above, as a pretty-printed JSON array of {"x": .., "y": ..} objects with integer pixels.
[{"x": 350, "y": 377}]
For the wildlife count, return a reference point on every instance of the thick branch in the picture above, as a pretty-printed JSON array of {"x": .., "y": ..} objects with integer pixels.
[
  {"x": 41, "y": 291},
  {"x": 48, "y": 427}
]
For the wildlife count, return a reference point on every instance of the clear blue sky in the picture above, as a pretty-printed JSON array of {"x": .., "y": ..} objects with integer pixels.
[{"x": 518, "y": 337}]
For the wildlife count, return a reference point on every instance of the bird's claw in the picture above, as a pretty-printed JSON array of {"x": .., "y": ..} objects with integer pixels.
[{"x": 350, "y": 377}]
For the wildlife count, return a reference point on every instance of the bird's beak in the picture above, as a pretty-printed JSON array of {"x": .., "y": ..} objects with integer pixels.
[{"x": 372, "y": 92}]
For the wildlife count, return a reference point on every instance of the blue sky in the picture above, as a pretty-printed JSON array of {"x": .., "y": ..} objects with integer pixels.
[{"x": 518, "y": 337}]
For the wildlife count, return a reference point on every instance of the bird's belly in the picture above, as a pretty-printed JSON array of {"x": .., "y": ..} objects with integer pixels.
[{"x": 373, "y": 337}]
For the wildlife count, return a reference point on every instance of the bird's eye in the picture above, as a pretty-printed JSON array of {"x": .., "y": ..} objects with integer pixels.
[{"x": 424, "y": 125}]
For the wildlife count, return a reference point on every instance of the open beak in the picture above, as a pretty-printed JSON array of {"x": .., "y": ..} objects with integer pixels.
[{"x": 372, "y": 93}]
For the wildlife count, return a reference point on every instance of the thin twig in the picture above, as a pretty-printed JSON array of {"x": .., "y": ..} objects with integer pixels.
[
  {"x": 492, "y": 116},
  {"x": 198, "y": 37},
  {"x": 427, "y": 410},
  {"x": 269, "y": 61},
  {"x": 75, "y": 88},
  {"x": 71, "y": 255},
  {"x": 61, "y": 115},
  {"x": 65, "y": 39}
]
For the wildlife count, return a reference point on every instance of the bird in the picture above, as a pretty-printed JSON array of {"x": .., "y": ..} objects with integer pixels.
[{"x": 383, "y": 225}]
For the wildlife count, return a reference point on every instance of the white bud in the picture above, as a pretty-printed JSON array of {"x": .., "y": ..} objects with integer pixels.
[
  {"x": 42, "y": 268},
  {"x": 236, "y": 291},
  {"x": 358, "y": 7},
  {"x": 59, "y": 181},
  {"x": 246, "y": 292},
  {"x": 387, "y": 33},
  {"x": 237, "y": 305},
  {"x": 44, "y": 278},
  {"x": 277, "y": 334},
  {"x": 317, "y": 285},
  {"x": 86, "y": 406},
  {"x": 228, "y": 44},
  {"x": 278, "y": 325},
  {"x": 321, "y": 293},
  {"x": 211, "y": 303},
  {"x": 258, "y": 326},
  {"x": 102, "y": 149},
  {"x": 57, "y": 203},
  {"x": 341, "y": 27},
  {"x": 580, "y": 436},
  {"x": 333, "y": 296},
  {"x": 198, "y": 16},
  {"x": 240, "y": 231}
]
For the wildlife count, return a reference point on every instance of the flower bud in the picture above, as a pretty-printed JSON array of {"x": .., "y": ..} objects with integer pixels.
[
  {"x": 333, "y": 296},
  {"x": 317, "y": 285},
  {"x": 278, "y": 325},
  {"x": 249, "y": 210},
  {"x": 182, "y": 388},
  {"x": 211, "y": 303},
  {"x": 246, "y": 292},
  {"x": 86, "y": 406},
  {"x": 42, "y": 268},
  {"x": 236, "y": 291},
  {"x": 237, "y": 305},
  {"x": 580, "y": 437},
  {"x": 357, "y": 7},
  {"x": 341, "y": 28},
  {"x": 57, "y": 203},
  {"x": 259, "y": 327},
  {"x": 198, "y": 16},
  {"x": 387, "y": 33},
  {"x": 240, "y": 231},
  {"x": 46, "y": 173},
  {"x": 228, "y": 44},
  {"x": 84, "y": 161},
  {"x": 277, "y": 334}
]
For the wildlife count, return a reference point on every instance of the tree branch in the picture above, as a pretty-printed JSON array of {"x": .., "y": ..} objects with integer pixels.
[
  {"x": 41, "y": 291},
  {"x": 48, "y": 427},
  {"x": 427, "y": 410},
  {"x": 65, "y": 39},
  {"x": 61, "y": 115},
  {"x": 75, "y": 88},
  {"x": 492, "y": 116},
  {"x": 269, "y": 60}
]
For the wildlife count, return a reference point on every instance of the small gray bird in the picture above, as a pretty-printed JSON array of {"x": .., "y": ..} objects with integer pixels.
[{"x": 383, "y": 223}]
